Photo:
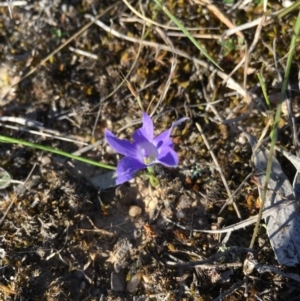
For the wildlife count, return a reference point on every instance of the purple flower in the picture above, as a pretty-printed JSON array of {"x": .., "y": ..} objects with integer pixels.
[{"x": 145, "y": 151}]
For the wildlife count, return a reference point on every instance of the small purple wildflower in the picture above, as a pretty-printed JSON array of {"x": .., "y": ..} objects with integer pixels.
[{"x": 145, "y": 151}]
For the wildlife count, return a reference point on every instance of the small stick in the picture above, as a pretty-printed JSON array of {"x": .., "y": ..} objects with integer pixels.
[
  {"x": 235, "y": 192},
  {"x": 60, "y": 47},
  {"x": 218, "y": 167},
  {"x": 242, "y": 224},
  {"x": 231, "y": 83}
]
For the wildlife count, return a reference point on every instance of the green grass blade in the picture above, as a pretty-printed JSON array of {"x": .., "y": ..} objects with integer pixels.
[
  {"x": 185, "y": 31},
  {"x": 275, "y": 125},
  {"x": 55, "y": 151},
  {"x": 264, "y": 90},
  {"x": 288, "y": 10}
]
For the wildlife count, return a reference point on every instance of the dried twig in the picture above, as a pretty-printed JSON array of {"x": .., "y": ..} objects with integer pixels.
[
  {"x": 101, "y": 231},
  {"x": 210, "y": 260},
  {"x": 242, "y": 224},
  {"x": 44, "y": 134},
  {"x": 68, "y": 41},
  {"x": 231, "y": 83},
  {"x": 172, "y": 71},
  {"x": 218, "y": 167},
  {"x": 251, "y": 48},
  {"x": 217, "y": 12},
  {"x": 235, "y": 192}
]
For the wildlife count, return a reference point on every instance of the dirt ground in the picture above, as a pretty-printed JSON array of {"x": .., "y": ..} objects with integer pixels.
[{"x": 64, "y": 235}]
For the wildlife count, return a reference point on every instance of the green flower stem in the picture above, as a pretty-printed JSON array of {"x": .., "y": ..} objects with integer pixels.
[
  {"x": 153, "y": 180},
  {"x": 150, "y": 170},
  {"x": 55, "y": 151}
]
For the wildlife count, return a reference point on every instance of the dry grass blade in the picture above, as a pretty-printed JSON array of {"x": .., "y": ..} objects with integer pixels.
[
  {"x": 242, "y": 224},
  {"x": 296, "y": 162},
  {"x": 9, "y": 3},
  {"x": 7, "y": 290},
  {"x": 68, "y": 41},
  {"x": 45, "y": 134},
  {"x": 67, "y": 221},
  {"x": 219, "y": 169},
  {"x": 230, "y": 291},
  {"x": 217, "y": 12},
  {"x": 246, "y": 56},
  {"x": 149, "y": 22},
  {"x": 269, "y": 20},
  {"x": 231, "y": 83},
  {"x": 172, "y": 71},
  {"x": 235, "y": 192},
  {"x": 283, "y": 227},
  {"x": 84, "y": 53},
  {"x": 124, "y": 80}
]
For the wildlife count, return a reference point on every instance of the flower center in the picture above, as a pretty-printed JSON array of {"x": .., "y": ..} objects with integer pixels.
[{"x": 147, "y": 152}]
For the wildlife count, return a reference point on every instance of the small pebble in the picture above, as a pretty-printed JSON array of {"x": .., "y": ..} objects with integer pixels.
[
  {"x": 135, "y": 211},
  {"x": 117, "y": 282},
  {"x": 45, "y": 160},
  {"x": 180, "y": 214},
  {"x": 133, "y": 283},
  {"x": 242, "y": 139}
]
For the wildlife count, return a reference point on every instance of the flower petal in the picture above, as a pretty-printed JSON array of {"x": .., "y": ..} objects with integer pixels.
[
  {"x": 126, "y": 169},
  {"x": 164, "y": 138},
  {"x": 174, "y": 124},
  {"x": 146, "y": 131},
  {"x": 168, "y": 157},
  {"x": 123, "y": 147}
]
